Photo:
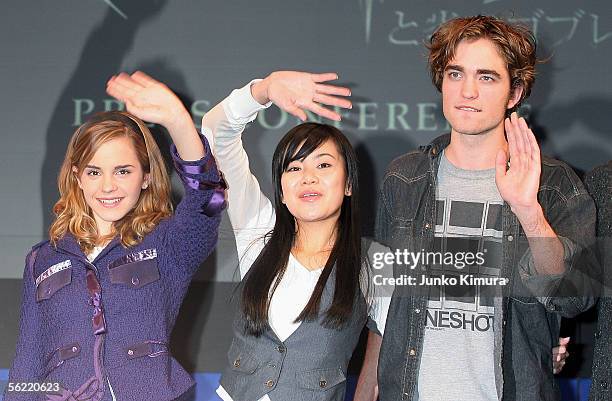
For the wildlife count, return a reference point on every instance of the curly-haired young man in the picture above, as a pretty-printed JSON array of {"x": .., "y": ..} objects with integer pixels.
[{"x": 482, "y": 188}]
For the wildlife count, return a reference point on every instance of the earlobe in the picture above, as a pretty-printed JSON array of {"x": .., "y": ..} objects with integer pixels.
[
  {"x": 145, "y": 182},
  {"x": 76, "y": 175},
  {"x": 348, "y": 191}
]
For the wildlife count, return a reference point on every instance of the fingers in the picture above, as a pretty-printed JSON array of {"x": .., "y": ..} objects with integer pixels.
[
  {"x": 322, "y": 111},
  {"x": 128, "y": 81},
  {"x": 123, "y": 86},
  {"x": 296, "y": 111},
  {"x": 518, "y": 134},
  {"x": 559, "y": 362},
  {"x": 143, "y": 79},
  {"x": 332, "y": 101},
  {"x": 332, "y": 90},
  {"x": 511, "y": 136},
  {"x": 327, "y": 76},
  {"x": 501, "y": 161},
  {"x": 118, "y": 89},
  {"x": 523, "y": 147},
  {"x": 560, "y": 354},
  {"x": 558, "y": 367}
]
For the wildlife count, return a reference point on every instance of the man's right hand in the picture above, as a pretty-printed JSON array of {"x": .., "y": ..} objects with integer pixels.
[{"x": 297, "y": 92}]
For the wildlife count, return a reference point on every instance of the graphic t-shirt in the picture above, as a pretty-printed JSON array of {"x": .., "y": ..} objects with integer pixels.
[{"x": 457, "y": 357}]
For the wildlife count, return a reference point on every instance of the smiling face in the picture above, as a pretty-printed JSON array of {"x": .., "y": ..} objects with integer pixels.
[
  {"x": 476, "y": 89},
  {"x": 111, "y": 182},
  {"x": 313, "y": 188}
]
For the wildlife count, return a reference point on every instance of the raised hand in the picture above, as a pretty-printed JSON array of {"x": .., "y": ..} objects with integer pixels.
[
  {"x": 297, "y": 92},
  {"x": 146, "y": 98},
  {"x": 519, "y": 184},
  {"x": 152, "y": 101}
]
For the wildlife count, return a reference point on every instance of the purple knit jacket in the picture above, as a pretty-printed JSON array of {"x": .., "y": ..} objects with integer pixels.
[{"x": 85, "y": 323}]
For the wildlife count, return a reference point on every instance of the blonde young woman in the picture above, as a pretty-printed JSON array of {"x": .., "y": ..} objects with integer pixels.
[{"x": 101, "y": 296}]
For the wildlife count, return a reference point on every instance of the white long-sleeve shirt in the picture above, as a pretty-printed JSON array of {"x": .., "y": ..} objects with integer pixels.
[{"x": 252, "y": 214}]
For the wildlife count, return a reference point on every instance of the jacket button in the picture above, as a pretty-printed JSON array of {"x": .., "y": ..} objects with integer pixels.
[
  {"x": 322, "y": 383},
  {"x": 281, "y": 349},
  {"x": 417, "y": 311},
  {"x": 237, "y": 363},
  {"x": 74, "y": 349},
  {"x": 412, "y": 352},
  {"x": 270, "y": 383},
  {"x": 135, "y": 280},
  {"x": 597, "y": 334},
  {"x": 130, "y": 352},
  {"x": 603, "y": 384},
  {"x": 510, "y": 238}
]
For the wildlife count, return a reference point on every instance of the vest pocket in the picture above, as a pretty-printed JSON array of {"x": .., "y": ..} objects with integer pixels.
[
  {"x": 241, "y": 361},
  {"x": 320, "y": 379},
  {"x": 135, "y": 274}
]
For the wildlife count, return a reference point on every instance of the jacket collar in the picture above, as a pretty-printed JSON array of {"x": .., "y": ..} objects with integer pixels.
[
  {"x": 435, "y": 147},
  {"x": 69, "y": 244}
]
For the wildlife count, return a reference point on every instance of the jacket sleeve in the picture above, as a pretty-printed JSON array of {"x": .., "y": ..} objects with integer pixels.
[
  {"x": 192, "y": 231},
  {"x": 383, "y": 220},
  {"x": 573, "y": 292},
  {"x": 27, "y": 365}
]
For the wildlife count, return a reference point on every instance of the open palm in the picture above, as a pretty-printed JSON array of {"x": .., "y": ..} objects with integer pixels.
[{"x": 519, "y": 184}]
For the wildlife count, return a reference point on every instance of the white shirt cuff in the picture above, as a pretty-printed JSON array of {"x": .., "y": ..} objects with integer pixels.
[{"x": 240, "y": 106}]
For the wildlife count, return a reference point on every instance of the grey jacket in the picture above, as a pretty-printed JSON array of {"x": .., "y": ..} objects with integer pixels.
[{"x": 526, "y": 326}]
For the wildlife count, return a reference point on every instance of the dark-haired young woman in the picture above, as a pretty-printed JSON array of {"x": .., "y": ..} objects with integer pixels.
[{"x": 302, "y": 293}]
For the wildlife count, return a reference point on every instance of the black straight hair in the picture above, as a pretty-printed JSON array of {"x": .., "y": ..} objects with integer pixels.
[{"x": 345, "y": 257}]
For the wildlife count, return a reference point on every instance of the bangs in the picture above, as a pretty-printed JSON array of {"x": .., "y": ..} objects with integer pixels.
[{"x": 303, "y": 144}]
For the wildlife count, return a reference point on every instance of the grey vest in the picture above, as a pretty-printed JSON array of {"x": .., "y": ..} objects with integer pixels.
[{"x": 309, "y": 365}]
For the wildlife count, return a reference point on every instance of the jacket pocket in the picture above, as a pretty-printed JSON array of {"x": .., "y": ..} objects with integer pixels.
[
  {"x": 59, "y": 356},
  {"x": 241, "y": 361},
  {"x": 320, "y": 379},
  {"x": 135, "y": 274},
  {"x": 53, "y": 279}
]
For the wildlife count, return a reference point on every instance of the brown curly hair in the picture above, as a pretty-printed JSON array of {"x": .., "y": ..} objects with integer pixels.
[{"x": 516, "y": 44}]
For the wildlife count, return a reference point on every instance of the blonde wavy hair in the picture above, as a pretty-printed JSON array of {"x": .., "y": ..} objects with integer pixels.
[{"x": 74, "y": 216}]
